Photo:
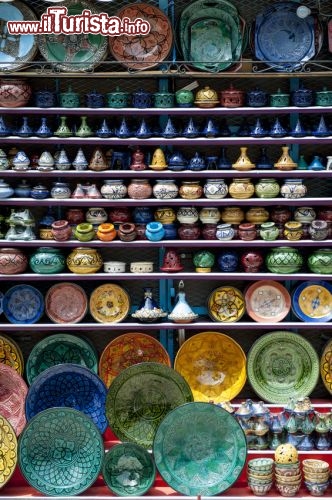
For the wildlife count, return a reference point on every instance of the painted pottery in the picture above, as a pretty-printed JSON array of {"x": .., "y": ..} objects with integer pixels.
[
  {"x": 47, "y": 260},
  {"x": 154, "y": 231},
  {"x": 61, "y": 230},
  {"x": 257, "y": 215},
  {"x": 215, "y": 189},
  {"x": 203, "y": 261},
  {"x": 269, "y": 231},
  {"x": 165, "y": 215},
  {"x": 284, "y": 260},
  {"x": 225, "y": 232},
  {"x": 267, "y": 188},
  {"x": 318, "y": 230},
  {"x": 127, "y": 231},
  {"x": 241, "y": 188},
  {"x": 320, "y": 261},
  {"x": 84, "y": 260},
  {"x": 233, "y": 215},
  {"x": 84, "y": 231},
  {"x": 106, "y": 231},
  {"x": 252, "y": 261},
  {"x": 228, "y": 261},
  {"x": 60, "y": 190},
  {"x": 113, "y": 189},
  {"x": 139, "y": 189},
  {"x": 165, "y": 189},
  {"x": 293, "y": 189},
  {"x": 14, "y": 92},
  {"x": 189, "y": 231},
  {"x": 190, "y": 190},
  {"x": 12, "y": 261},
  {"x": 247, "y": 231}
]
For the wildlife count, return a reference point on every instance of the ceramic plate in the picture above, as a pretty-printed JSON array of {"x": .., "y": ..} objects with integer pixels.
[
  {"x": 200, "y": 449},
  {"x": 227, "y": 304},
  {"x": 11, "y": 354},
  {"x": 214, "y": 365},
  {"x": 143, "y": 51},
  {"x": 61, "y": 452},
  {"x": 1, "y": 302},
  {"x": 282, "y": 365},
  {"x": 128, "y": 469},
  {"x": 8, "y": 450},
  {"x": 66, "y": 303},
  {"x": 312, "y": 301},
  {"x": 71, "y": 386},
  {"x": 282, "y": 39},
  {"x": 16, "y": 50},
  {"x": 326, "y": 366},
  {"x": 109, "y": 303},
  {"x": 57, "y": 349},
  {"x": 267, "y": 301},
  {"x": 23, "y": 304},
  {"x": 13, "y": 391},
  {"x": 140, "y": 397},
  {"x": 79, "y": 52},
  {"x": 129, "y": 349}
]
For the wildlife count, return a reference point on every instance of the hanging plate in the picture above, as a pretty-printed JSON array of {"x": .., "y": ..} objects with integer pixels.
[
  {"x": 66, "y": 303},
  {"x": 127, "y": 350},
  {"x": 227, "y": 304},
  {"x": 61, "y": 452},
  {"x": 8, "y": 450},
  {"x": 11, "y": 354},
  {"x": 312, "y": 301},
  {"x": 267, "y": 301},
  {"x": 109, "y": 303},
  {"x": 23, "y": 304},
  {"x": 140, "y": 397},
  {"x": 282, "y": 39},
  {"x": 282, "y": 365},
  {"x": 13, "y": 391},
  {"x": 143, "y": 51},
  {"x": 74, "y": 52},
  {"x": 200, "y": 449},
  {"x": 214, "y": 365}
]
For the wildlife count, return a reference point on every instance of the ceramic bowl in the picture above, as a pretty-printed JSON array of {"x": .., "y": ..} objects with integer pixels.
[
  {"x": 261, "y": 464},
  {"x": 114, "y": 266},
  {"x": 316, "y": 477},
  {"x": 260, "y": 489},
  {"x": 288, "y": 479},
  {"x": 282, "y": 472},
  {"x": 265, "y": 478},
  {"x": 316, "y": 489},
  {"x": 288, "y": 490},
  {"x": 141, "y": 267},
  {"x": 315, "y": 465}
]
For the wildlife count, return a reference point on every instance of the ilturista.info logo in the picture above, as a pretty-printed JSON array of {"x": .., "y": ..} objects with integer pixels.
[{"x": 56, "y": 21}]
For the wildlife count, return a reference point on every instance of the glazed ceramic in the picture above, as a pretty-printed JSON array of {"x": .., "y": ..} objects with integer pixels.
[
  {"x": 190, "y": 190},
  {"x": 14, "y": 92},
  {"x": 106, "y": 232},
  {"x": 247, "y": 231},
  {"x": 189, "y": 231},
  {"x": 127, "y": 231},
  {"x": 215, "y": 189},
  {"x": 84, "y": 260},
  {"x": 241, "y": 188},
  {"x": 320, "y": 261},
  {"x": 269, "y": 231},
  {"x": 154, "y": 231},
  {"x": 113, "y": 189},
  {"x": 293, "y": 189},
  {"x": 267, "y": 188},
  {"x": 139, "y": 189},
  {"x": 84, "y": 232},
  {"x": 284, "y": 260},
  {"x": 47, "y": 260},
  {"x": 60, "y": 190},
  {"x": 165, "y": 189},
  {"x": 225, "y": 232},
  {"x": 203, "y": 261},
  {"x": 12, "y": 261}
]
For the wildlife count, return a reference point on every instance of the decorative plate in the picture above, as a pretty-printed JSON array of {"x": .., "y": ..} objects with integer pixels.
[
  {"x": 1, "y": 302},
  {"x": 214, "y": 365},
  {"x": 8, "y": 450},
  {"x": 68, "y": 385},
  {"x": 80, "y": 52},
  {"x": 66, "y": 303},
  {"x": 281, "y": 365},
  {"x": 143, "y": 51},
  {"x": 226, "y": 303},
  {"x": 13, "y": 391},
  {"x": 128, "y": 469},
  {"x": 16, "y": 50},
  {"x": 267, "y": 301},
  {"x": 109, "y": 303},
  {"x": 61, "y": 452},
  {"x": 326, "y": 366},
  {"x": 312, "y": 301},
  {"x": 282, "y": 39},
  {"x": 11, "y": 354},
  {"x": 127, "y": 350},
  {"x": 140, "y": 397},
  {"x": 200, "y": 449},
  {"x": 57, "y": 349},
  {"x": 23, "y": 304}
]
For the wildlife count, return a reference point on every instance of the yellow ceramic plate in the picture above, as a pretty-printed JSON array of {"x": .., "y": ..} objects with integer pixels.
[
  {"x": 8, "y": 451},
  {"x": 326, "y": 366},
  {"x": 214, "y": 366},
  {"x": 312, "y": 301},
  {"x": 109, "y": 303},
  {"x": 226, "y": 303},
  {"x": 11, "y": 354}
]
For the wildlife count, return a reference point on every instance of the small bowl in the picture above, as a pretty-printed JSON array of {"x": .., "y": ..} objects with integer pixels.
[
  {"x": 114, "y": 266},
  {"x": 316, "y": 477},
  {"x": 316, "y": 489},
  {"x": 141, "y": 267},
  {"x": 287, "y": 472},
  {"x": 262, "y": 464},
  {"x": 315, "y": 465},
  {"x": 288, "y": 490},
  {"x": 289, "y": 479},
  {"x": 260, "y": 489}
]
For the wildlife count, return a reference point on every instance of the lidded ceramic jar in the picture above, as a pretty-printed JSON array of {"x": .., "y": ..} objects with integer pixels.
[
  {"x": 241, "y": 188},
  {"x": 94, "y": 99},
  {"x": 141, "y": 99},
  {"x": 165, "y": 215},
  {"x": 233, "y": 215},
  {"x": 256, "y": 98},
  {"x": 12, "y": 261},
  {"x": 190, "y": 190},
  {"x": 267, "y": 188},
  {"x": 44, "y": 98},
  {"x": 69, "y": 99},
  {"x": 323, "y": 97},
  {"x": 14, "y": 92},
  {"x": 154, "y": 231},
  {"x": 257, "y": 215},
  {"x": 187, "y": 215},
  {"x": 269, "y": 231},
  {"x": 113, "y": 189},
  {"x": 84, "y": 260},
  {"x": 163, "y": 99},
  {"x": 279, "y": 99},
  {"x": 225, "y": 232},
  {"x": 232, "y": 98},
  {"x": 184, "y": 98},
  {"x": 191, "y": 231},
  {"x": 165, "y": 189},
  {"x": 84, "y": 231},
  {"x": 203, "y": 261},
  {"x": 252, "y": 261},
  {"x": 320, "y": 261},
  {"x": 118, "y": 99},
  {"x": 304, "y": 214},
  {"x": 139, "y": 189},
  {"x": 106, "y": 231},
  {"x": 61, "y": 230},
  {"x": 47, "y": 260},
  {"x": 215, "y": 189},
  {"x": 318, "y": 230},
  {"x": 60, "y": 190},
  {"x": 209, "y": 215},
  {"x": 247, "y": 231},
  {"x": 6, "y": 191},
  {"x": 302, "y": 97},
  {"x": 293, "y": 189},
  {"x": 206, "y": 98},
  {"x": 209, "y": 231},
  {"x": 127, "y": 231}
]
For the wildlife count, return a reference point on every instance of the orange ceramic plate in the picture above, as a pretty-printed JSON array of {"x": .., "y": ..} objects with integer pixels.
[
  {"x": 143, "y": 51},
  {"x": 214, "y": 366},
  {"x": 267, "y": 301},
  {"x": 129, "y": 349}
]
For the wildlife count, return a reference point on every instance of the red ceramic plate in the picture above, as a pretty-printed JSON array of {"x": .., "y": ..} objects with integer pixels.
[
  {"x": 143, "y": 51},
  {"x": 13, "y": 391},
  {"x": 66, "y": 303},
  {"x": 267, "y": 301},
  {"x": 130, "y": 349}
]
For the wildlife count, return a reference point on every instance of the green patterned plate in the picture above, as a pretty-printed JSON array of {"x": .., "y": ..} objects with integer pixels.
[
  {"x": 60, "y": 452},
  {"x": 281, "y": 365},
  {"x": 128, "y": 469},
  {"x": 140, "y": 397},
  {"x": 200, "y": 449}
]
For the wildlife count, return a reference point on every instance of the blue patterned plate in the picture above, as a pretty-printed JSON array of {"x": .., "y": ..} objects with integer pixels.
[
  {"x": 128, "y": 469},
  {"x": 23, "y": 304},
  {"x": 60, "y": 452},
  {"x": 200, "y": 449},
  {"x": 312, "y": 301},
  {"x": 57, "y": 349},
  {"x": 71, "y": 386}
]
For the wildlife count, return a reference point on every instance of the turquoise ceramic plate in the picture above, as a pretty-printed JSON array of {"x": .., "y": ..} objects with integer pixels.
[
  {"x": 57, "y": 349},
  {"x": 60, "y": 452},
  {"x": 200, "y": 449},
  {"x": 140, "y": 397},
  {"x": 128, "y": 469},
  {"x": 282, "y": 365}
]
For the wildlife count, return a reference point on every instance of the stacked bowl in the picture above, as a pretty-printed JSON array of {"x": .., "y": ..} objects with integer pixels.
[
  {"x": 287, "y": 469},
  {"x": 316, "y": 476},
  {"x": 260, "y": 475}
]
